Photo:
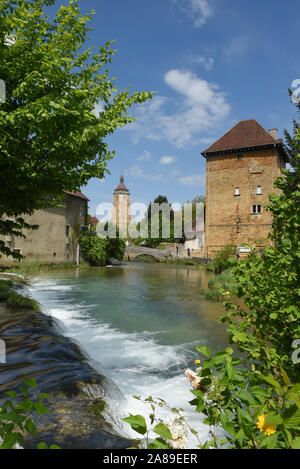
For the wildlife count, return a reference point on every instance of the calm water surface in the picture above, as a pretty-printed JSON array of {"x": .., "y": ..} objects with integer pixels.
[{"x": 139, "y": 323}]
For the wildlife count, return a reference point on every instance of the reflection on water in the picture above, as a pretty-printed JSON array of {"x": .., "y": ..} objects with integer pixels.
[{"x": 140, "y": 324}]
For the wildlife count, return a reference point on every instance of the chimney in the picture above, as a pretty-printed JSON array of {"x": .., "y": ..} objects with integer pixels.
[{"x": 274, "y": 133}]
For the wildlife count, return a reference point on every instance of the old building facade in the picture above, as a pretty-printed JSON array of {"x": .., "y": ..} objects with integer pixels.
[
  {"x": 241, "y": 168},
  {"x": 121, "y": 213},
  {"x": 56, "y": 240}
]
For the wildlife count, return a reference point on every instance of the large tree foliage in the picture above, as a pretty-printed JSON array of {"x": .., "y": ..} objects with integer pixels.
[
  {"x": 60, "y": 106},
  {"x": 292, "y": 145}
]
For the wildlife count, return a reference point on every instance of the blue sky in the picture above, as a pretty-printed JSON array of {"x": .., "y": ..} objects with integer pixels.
[{"x": 212, "y": 64}]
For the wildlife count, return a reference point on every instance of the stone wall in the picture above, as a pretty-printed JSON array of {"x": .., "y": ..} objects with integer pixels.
[
  {"x": 50, "y": 243},
  {"x": 229, "y": 217}
]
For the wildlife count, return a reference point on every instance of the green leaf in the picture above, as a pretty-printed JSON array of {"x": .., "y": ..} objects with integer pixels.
[
  {"x": 164, "y": 431},
  {"x": 291, "y": 417},
  {"x": 285, "y": 377},
  {"x": 137, "y": 423},
  {"x": 230, "y": 370},
  {"x": 220, "y": 355},
  {"x": 45, "y": 396},
  {"x": 158, "y": 444},
  {"x": 295, "y": 444},
  {"x": 246, "y": 397},
  {"x": 41, "y": 409},
  {"x": 12, "y": 394},
  {"x": 9, "y": 441},
  {"x": 30, "y": 427},
  {"x": 42, "y": 446},
  {"x": 269, "y": 442},
  {"x": 269, "y": 379},
  {"x": 31, "y": 382},
  {"x": 227, "y": 425},
  {"x": 273, "y": 419},
  {"x": 204, "y": 350}
]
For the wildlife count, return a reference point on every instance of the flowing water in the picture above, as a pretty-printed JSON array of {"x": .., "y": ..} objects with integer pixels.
[{"x": 139, "y": 324}]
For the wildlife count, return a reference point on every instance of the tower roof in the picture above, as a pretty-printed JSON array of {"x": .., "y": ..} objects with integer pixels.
[
  {"x": 121, "y": 187},
  {"x": 246, "y": 135}
]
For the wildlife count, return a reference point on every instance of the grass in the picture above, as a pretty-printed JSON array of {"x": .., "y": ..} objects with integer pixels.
[
  {"x": 29, "y": 269},
  {"x": 13, "y": 299},
  {"x": 220, "y": 285}
]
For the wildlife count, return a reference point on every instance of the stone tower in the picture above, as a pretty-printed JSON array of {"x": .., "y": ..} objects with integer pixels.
[
  {"x": 121, "y": 217},
  {"x": 241, "y": 168}
]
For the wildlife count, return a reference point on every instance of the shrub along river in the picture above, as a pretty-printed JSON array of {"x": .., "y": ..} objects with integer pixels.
[{"x": 124, "y": 331}]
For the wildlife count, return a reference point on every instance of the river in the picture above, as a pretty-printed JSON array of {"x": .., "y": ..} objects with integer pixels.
[{"x": 139, "y": 324}]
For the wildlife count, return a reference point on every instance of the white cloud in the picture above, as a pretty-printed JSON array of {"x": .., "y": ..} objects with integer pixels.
[
  {"x": 145, "y": 157},
  {"x": 136, "y": 171},
  {"x": 235, "y": 49},
  {"x": 199, "y": 110},
  {"x": 206, "y": 62},
  {"x": 167, "y": 160},
  {"x": 193, "y": 180},
  {"x": 198, "y": 10}
]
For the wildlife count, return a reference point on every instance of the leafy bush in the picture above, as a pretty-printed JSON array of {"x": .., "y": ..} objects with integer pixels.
[
  {"x": 116, "y": 248},
  {"x": 222, "y": 260},
  {"x": 220, "y": 286},
  {"x": 256, "y": 410},
  {"x": 94, "y": 249}
]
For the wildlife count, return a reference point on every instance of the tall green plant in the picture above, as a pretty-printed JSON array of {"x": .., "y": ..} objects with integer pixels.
[
  {"x": 60, "y": 106},
  {"x": 16, "y": 416}
]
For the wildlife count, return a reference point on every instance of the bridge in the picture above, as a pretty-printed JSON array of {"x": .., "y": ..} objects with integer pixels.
[{"x": 132, "y": 252}]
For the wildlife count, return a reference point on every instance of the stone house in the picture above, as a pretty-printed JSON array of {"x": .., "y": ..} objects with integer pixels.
[
  {"x": 241, "y": 168},
  {"x": 55, "y": 241}
]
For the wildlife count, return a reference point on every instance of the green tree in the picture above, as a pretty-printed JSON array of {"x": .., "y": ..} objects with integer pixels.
[
  {"x": 292, "y": 145},
  {"x": 160, "y": 216},
  {"x": 94, "y": 249},
  {"x": 60, "y": 106}
]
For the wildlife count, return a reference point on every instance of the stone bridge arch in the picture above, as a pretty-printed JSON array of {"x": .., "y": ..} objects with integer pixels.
[{"x": 133, "y": 252}]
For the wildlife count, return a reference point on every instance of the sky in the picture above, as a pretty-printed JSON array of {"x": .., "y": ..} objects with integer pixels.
[{"x": 211, "y": 63}]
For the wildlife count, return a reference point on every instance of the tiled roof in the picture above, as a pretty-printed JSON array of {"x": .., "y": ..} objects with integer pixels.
[
  {"x": 245, "y": 134},
  {"x": 93, "y": 221},
  {"x": 77, "y": 194},
  {"x": 121, "y": 187}
]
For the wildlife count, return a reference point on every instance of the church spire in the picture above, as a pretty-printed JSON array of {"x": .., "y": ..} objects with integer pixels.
[{"x": 121, "y": 187}]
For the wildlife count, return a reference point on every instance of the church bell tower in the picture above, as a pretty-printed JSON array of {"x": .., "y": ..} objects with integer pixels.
[{"x": 121, "y": 216}]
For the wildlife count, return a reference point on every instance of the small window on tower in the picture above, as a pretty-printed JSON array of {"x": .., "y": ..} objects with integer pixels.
[
  {"x": 256, "y": 209},
  {"x": 237, "y": 191},
  {"x": 258, "y": 190},
  {"x": 240, "y": 157}
]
